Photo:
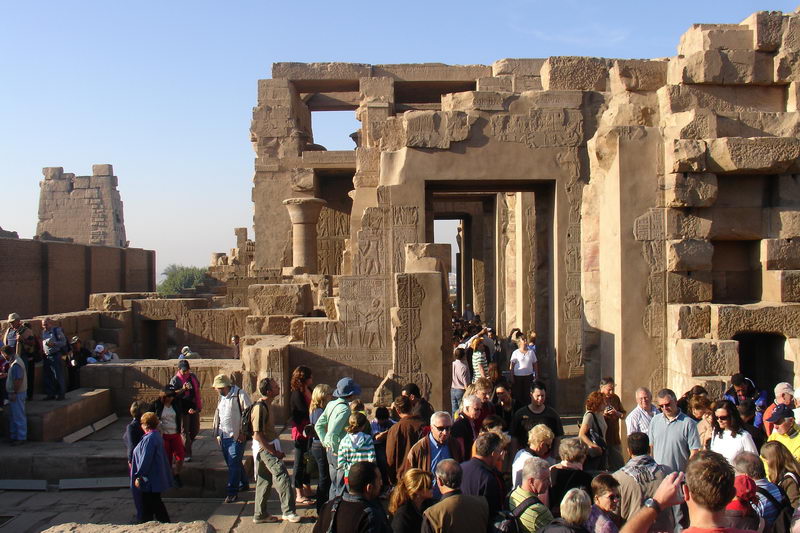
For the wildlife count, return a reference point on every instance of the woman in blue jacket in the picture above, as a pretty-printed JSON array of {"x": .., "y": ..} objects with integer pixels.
[{"x": 150, "y": 470}]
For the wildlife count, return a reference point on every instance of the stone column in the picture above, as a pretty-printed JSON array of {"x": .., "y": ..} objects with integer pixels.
[{"x": 304, "y": 213}]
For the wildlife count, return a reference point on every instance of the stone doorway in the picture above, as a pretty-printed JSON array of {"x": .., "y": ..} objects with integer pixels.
[
  {"x": 762, "y": 358},
  {"x": 158, "y": 339}
]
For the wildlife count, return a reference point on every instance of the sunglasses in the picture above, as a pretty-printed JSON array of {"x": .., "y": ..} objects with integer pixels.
[
  {"x": 724, "y": 418},
  {"x": 442, "y": 428},
  {"x": 663, "y": 405}
]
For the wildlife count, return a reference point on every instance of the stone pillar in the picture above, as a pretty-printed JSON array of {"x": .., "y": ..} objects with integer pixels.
[{"x": 304, "y": 213}]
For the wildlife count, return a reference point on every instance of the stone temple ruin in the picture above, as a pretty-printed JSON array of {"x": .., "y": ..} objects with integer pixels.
[{"x": 642, "y": 216}]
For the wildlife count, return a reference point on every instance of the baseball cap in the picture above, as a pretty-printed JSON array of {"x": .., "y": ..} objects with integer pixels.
[{"x": 781, "y": 411}]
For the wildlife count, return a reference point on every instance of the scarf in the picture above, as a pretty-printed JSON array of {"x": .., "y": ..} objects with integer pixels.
[{"x": 641, "y": 468}]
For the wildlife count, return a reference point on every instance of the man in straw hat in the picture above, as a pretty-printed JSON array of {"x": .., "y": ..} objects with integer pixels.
[{"x": 227, "y": 426}]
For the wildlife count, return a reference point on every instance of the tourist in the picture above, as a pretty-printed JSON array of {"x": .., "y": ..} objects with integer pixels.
[
  {"x": 150, "y": 471},
  {"x": 638, "y": 421},
  {"x": 480, "y": 364},
  {"x": 784, "y": 394},
  {"x": 227, "y": 428},
  {"x": 613, "y": 413},
  {"x": 747, "y": 412},
  {"x": 603, "y": 518},
  {"x": 380, "y": 426},
  {"x": 673, "y": 437},
  {"x": 16, "y": 386},
  {"x": 100, "y": 354},
  {"x": 683, "y": 401},
  {"x": 456, "y": 512},
  {"x": 319, "y": 399},
  {"x": 54, "y": 344},
  {"x": 770, "y": 498},
  {"x": 357, "y": 510},
  {"x": 480, "y": 474},
  {"x": 524, "y": 499},
  {"x": 459, "y": 380},
  {"x": 728, "y": 436},
  {"x": 639, "y": 479},
  {"x": 743, "y": 388},
  {"x": 76, "y": 358},
  {"x": 700, "y": 410},
  {"x": 797, "y": 403},
  {"x": 436, "y": 447},
  {"x": 357, "y": 444},
  {"x": 187, "y": 388},
  {"x": 132, "y": 436},
  {"x": 534, "y": 414},
  {"x": 573, "y": 512},
  {"x": 21, "y": 338},
  {"x": 505, "y": 406},
  {"x": 299, "y": 400},
  {"x": 593, "y": 431},
  {"x": 331, "y": 427},
  {"x": 420, "y": 406},
  {"x": 465, "y": 426},
  {"x": 186, "y": 353},
  {"x": 4, "y": 365},
  {"x": 540, "y": 444},
  {"x": 269, "y": 458},
  {"x": 568, "y": 474},
  {"x": 524, "y": 367},
  {"x": 410, "y": 498},
  {"x": 785, "y": 430},
  {"x": 782, "y": 470},
  {"x": 468, "y": 315},
  {"x": 169, "y": 409},
  {"x": 237, "y": 350},
  {"x": 739, "y": 513},
  {"x": 483, "y": 389},
  {"x": 401, "y": 437}
]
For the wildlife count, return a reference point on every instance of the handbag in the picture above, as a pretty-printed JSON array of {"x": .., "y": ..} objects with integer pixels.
[
  {"x": 595, "y": 436},
  {"x": 298, "y": 430}
]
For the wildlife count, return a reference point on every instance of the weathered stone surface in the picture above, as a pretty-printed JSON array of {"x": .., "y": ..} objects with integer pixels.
[
  {"x": 578, "y": 73},
  {"x": 685, "y": 155},
  {"x": 638, "y": 75},
  {"x": 297, "y": 327},
  {"x": 427, "y": 257},
  {"x": 722, "y": 67},
  {"x": 115, "y": 301},
  {"x": 755, "y": 154},
  {"x": 689, "y": 254},
  {"x": 780, "y": 286},
  {"x": 709, "y": 358},
  {"x": 498, "y": 83},
  {"x": 689, "y": 287},
  {"x": 690, "y": 189},
  {"x": 767, "y": 28},
  {"x": 780, "y": 254},
  {"x": 518, "y": 67},
  {"x": 702, "y": 37},
  {"x": 304, "y": 180},
  {"x": 286, "y": 299},
  {"x": 689, "y": 321},
  {"x": 433, "y": 129},
  {"x": 480, "y": 100},
  {"x": 197, "y": 526},
  {"x": 692, "y": 124},
  {"x": 102, "y": 170}
]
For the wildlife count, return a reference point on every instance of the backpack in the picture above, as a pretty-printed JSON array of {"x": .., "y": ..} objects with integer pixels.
[
  {"x": 783, "y": 522},
  {"x": 509, "y": 521},
  {"x": 247, "y": 420}
]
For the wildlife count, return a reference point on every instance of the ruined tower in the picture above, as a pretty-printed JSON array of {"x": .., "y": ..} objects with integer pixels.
[{"x": 83, "y": 209}]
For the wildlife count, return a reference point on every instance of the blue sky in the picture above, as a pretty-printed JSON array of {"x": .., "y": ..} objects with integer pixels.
[{"x": 164, "y": 90}]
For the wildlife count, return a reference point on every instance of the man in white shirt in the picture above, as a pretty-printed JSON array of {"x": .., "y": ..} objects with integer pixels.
[
  {"x": 638, "y": 420},
  {"x": 227, "y": 428}
]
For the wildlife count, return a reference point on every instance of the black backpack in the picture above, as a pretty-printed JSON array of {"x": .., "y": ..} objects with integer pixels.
[
  {"x": 783, "y": 522},
  {"x": 247, "y": 419},
  {"x": 509, "y": 521}
]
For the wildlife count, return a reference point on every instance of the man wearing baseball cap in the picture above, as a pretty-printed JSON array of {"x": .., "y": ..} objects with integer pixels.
[
  {"x": 785, "y": 429},
  {"x": 784, "y": 394},
  {"x": 233, "y": 402}
]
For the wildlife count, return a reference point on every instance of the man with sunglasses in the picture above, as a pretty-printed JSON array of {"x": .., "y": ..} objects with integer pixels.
[
  {"x": 436, "y": 447},
  {"x": 786, "y": 430}
]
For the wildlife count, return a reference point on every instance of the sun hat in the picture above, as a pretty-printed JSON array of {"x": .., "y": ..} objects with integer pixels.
[
  {"x": 346, "y": 387},
  {"x": 221, "y": 381}
]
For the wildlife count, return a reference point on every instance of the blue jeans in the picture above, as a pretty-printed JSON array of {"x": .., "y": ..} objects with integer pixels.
[
  {"x": 324, "y": 485},
  {"x": 53, "y": 376},
  {"x": 19, "y": 424},
  {"x": 233, "y": 452},
  {"x": 337, "y": 476},
  {"x": 455, "y": 398}
]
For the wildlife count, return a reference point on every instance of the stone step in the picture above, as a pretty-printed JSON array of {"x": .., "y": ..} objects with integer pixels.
[{"x": 53, "y": 420}]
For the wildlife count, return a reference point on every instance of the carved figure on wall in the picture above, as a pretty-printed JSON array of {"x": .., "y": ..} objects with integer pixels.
[{"x": 372, "y": 331}]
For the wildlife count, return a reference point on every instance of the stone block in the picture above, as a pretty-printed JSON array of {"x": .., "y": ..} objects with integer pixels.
[
  {"x": 685, "y": 155},
  {"x": 689, "y": 255},
  {"x": 282, "y": 299},
  {"x": 518, "y": 67},
  {"x": 767, "y": 28},
  {"x": 427, "y": 257},
  {"x": 526, "y": 83},
  {"x": 638, "y": 75},
  {"x": 788, "y": 194},
  {"x": 752, "y": 154},
  {"x": 304, "y": 180},
  {"x": 436, "y": 72},
  {"x": 376, "y": 89},
  {"x": 780, "y": 286},
  {"x": 689, "y": 287},
  {"x": 81, "y": 182},
  {"x": 368, "y": 159},
  {"x": 734, "y": 223},
  {"x": 689, "y": 321},
  {"x": 51, "y": 421},
  {"x": 709, "y": 357},
  {"x": 576, "y": 73},
  {"x": 435, "y": 129},
  {"x": 690, "y": 189},
  {"x": 53, "y": 173},
  {"x": 780, "y": 254},
  {"x": 498, "y": 83},
  {"x": 321, "y": 71},
  {"x": 722, "y": 67},
  {"x": 297, "y": 326},
  {"x": 693, "y": 124},
  {"x": 728, "y": 320},
  {"x": 786, "y": 66},
  {"x": 102, "y": 170},
  {"x": 784, "y": 222},
  {"x": 469, "y": 100},
  {"x": 278, "y": 324},
  {"x": 115, "y": 301},
  {"x": 703, "y": 37},
  {"x": 329, "y": 305}
]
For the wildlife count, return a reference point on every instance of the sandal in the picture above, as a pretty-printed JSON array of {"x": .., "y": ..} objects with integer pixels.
[{"x": 304, "y": 501}]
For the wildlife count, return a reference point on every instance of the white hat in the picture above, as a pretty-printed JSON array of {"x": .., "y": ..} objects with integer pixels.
[
  {"x": 99, "y": 348},
  {"x": 185, "y": 349},
  {"x": 12, "y": 317}
]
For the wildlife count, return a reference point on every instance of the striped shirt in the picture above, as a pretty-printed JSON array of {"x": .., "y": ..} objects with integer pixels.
[
  {"x": 536, "y": 516},
  {"x": 355, "y": 447},
  {"x": 478, "y": 362}
]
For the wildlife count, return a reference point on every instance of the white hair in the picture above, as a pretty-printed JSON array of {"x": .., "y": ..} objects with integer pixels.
[
  {"x": 440, "y": 414},
  {"x": 472, "y": 400},
  {"x": 576, "y": 506},
  {"x": 536, "y": 468}
]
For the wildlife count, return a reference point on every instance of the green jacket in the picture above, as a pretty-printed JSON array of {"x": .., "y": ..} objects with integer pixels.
[{"x": 331, "y": 424}]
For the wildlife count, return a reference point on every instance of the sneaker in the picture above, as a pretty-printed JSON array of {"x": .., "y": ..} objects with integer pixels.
[
  {"x": 231, "y": 498},
  {"x": 271, "y": 519},
  {"x": 291, "y": 517},
  {"x": 187, "y": 459}
]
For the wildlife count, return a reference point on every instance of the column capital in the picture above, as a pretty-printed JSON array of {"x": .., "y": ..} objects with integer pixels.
[{"x": 304, "y": 210}]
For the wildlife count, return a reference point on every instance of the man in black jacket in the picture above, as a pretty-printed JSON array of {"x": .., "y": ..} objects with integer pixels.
[
  {"x": 357, "y": 510},
  {"x": 481, "y": 477}
]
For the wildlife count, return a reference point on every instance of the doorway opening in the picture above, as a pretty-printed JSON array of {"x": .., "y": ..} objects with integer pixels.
[
  {"x": 762, "y": 358},
  {"x": 158, "y": 339}
]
